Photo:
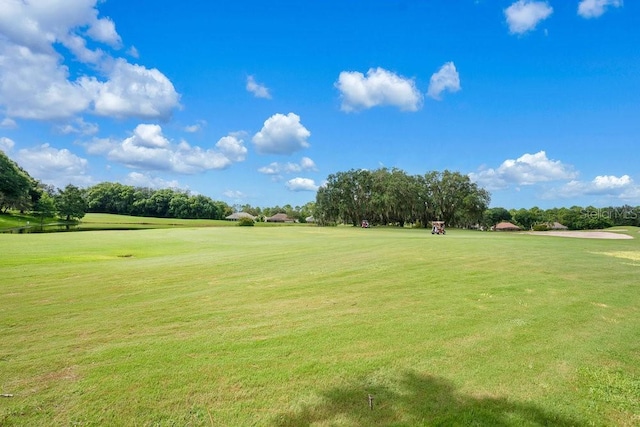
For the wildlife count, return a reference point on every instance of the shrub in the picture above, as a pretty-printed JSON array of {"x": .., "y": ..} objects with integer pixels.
[
  {"x": 245, "y": 222},
  {"x": 540, "y": 227}
]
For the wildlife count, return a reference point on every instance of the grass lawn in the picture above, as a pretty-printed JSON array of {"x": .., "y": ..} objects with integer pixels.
[{"x": 299, "y": 325}]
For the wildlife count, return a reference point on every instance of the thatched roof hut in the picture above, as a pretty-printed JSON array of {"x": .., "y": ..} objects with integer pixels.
[
  {"x": 506, "y": 226},
  {"x": 237, "y": 215},
  {"x": 279, "y": 217}
]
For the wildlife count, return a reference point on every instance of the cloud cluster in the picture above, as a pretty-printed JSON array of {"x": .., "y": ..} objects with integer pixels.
[
  {"x": 276, "y": 169},
  {"x": 78, "y": 126},
  {"x": 595, "y": 8},
  {"x": 234, "y": 194},
  {"x": 532, "y": 169},
  {"x": 53, "y": 166},
  {"x": 527, "y": 169},
  {"x": 146, "y": 180},
  {"x": 281, "y": 134},
  {"x": 524, "y": 15},
  {"x": 285, "y": 135},
  {"x": 622, "y": 187},
  {"x": 150, "y": 150},
  {"x": 381, "y": 87},
  {"x": 302, "y": 184},
  {"x": 37, "y": 84}
]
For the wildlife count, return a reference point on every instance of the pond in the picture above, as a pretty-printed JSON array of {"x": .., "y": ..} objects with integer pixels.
[{"x": 48, "y": 228}]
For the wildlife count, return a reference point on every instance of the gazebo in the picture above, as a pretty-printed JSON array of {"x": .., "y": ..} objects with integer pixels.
[
  {"x": 280, "y": 217},
  {"x": 238, "y": 215},
  {"x": 506, "y": 226}
]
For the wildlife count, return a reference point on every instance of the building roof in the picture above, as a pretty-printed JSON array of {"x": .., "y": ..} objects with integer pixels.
[
  {"x": 279, "y": 217},
  {"x": 237, "y": 215},
  {"x": 505, "y": 225}
]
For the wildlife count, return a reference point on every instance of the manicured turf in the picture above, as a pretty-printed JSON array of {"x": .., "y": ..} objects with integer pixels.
[{"x": 287, "y": 326}]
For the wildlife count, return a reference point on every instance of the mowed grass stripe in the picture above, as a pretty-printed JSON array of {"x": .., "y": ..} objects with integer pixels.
[{"x": 297, "y": 325}]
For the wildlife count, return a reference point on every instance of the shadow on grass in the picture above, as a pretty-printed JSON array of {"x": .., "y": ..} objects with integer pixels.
[{"x": 418, "y": 400}]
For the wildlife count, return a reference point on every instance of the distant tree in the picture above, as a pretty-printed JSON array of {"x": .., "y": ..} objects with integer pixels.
[
  {"x": 109, "y": 197},
  {"x": 307, "y": 210},
  {"x": 15, "y": 185},
  {"x": 45, "y": 207},
  {"x": 70, "y": 203},
  {"x": 457, "y": 199},
  {"x": 250, "y": 209},
  {"x": 386, "y": 197},
  {"x": 526, "y": 218},
  {"x": 492, "y": 216}
]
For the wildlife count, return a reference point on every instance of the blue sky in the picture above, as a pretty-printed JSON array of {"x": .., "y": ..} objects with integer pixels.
[{"x": 258, "y": 102}]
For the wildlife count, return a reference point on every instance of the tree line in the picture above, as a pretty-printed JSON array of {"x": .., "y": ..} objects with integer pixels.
[
  {"x": 574, "y": 218},
  {"x": 391, "y": 196},
  {"x": 120, "y": 199},
  {"x": 382, "y": 197},
  {"x": 19, "y": 191}
]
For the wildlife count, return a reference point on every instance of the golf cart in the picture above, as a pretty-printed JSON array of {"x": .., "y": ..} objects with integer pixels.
[{"x": 437, "y": 227}]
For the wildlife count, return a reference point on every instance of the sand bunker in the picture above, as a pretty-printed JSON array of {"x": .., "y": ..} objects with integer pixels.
[{"x": 583, "y": 234}]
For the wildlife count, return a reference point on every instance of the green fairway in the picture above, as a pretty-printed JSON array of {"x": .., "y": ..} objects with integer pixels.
[{"x": 300, "y": 325}]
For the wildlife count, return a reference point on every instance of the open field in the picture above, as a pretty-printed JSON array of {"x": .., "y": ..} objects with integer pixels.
[
  {"x": 299, "y": 325},
  {"x": 97, "y": 221}
]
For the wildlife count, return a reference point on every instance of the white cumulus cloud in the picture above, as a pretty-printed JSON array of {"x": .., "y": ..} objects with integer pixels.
[
  {"x": 233, "y": 148},
  {"x": 281, "y": 135},
  {"x": 257, "y": 89},
  {"x": 595, "y": 8},
  {"x": 144, "y": 180},
  {"x": 196, "y": 126},
  {"x": 275, "y": 168},
  {"x": 622, "y": 187},
  {"x": 446, "y": 79},
  {"x": 133, "y": 52},
  {"x": 378, "y": 88},
  {"x": 104, "y": 30},
  {"x": 37, "y": 84},
  {"x": 8, "y": 123},
  {"x": 301, "y": 184},
  {"x": 78, "y": 126},
  {"x": 307, "y": 164},
  {"x": 6, "y": 144},
  {"x": 234, "y": 194},
  {"x": 524, "y": 15},
  {"x": 53, "y": 166},
  {"x": 611, "y": 181},
  {"x": 133, "y": 91},
  {"x": 527, "y": 169},
  {"x": 150, "y": 150}
]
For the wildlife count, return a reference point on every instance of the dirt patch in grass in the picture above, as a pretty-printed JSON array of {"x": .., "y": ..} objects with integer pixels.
[{"x": 630, "y": 255}]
